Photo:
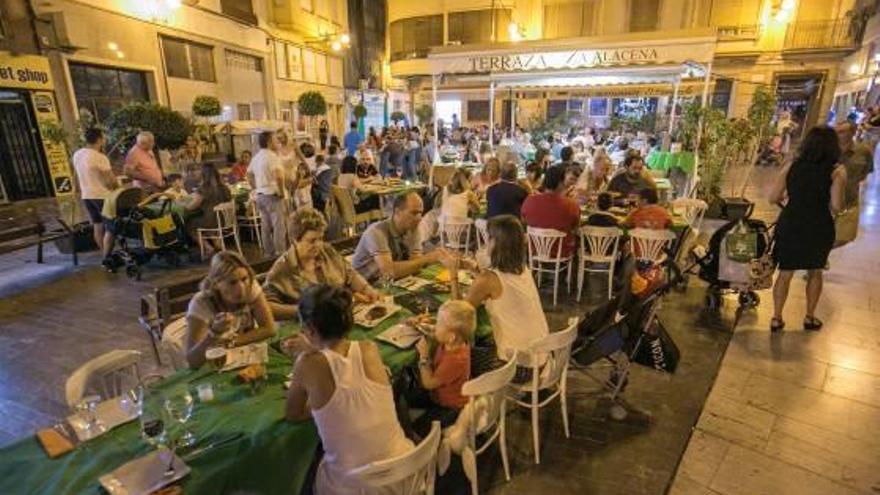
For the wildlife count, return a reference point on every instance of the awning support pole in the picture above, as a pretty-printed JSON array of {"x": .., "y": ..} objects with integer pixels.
[
  {"x": 512, "y": 115},
  {"x": 672, "y": 112},
  {"x": 436, "y": 158},
  {"x": 492, "y": 114}
]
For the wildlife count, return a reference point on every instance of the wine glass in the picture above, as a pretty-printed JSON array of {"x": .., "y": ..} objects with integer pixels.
[
  {"x": 85, "y": 408},
  {"x": 180, "y": 408}
]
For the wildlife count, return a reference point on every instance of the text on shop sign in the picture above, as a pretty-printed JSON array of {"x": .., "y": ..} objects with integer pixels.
[{"x": 562, "y": 60}]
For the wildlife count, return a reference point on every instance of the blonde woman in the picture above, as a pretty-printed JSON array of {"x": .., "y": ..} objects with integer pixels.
[
  {"x": 458, "y": 198},
  {"x": 230, "y": 309}
]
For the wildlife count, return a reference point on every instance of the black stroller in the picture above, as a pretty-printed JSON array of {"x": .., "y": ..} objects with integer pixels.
[
  {"x": 144, "y": 230},
  {"x": 625, "y": 330}
]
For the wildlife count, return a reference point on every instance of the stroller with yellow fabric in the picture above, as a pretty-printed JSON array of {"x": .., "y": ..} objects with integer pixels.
[{"x": 144, "y": 228}]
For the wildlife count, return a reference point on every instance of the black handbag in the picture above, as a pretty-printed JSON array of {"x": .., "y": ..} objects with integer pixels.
[{"x": 657, "y": 349}]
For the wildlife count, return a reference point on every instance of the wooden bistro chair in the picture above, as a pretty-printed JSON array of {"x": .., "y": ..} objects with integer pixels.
[
  {"x": 548, "y": 359},
  {"x": 408, "y": 474},
  {"x": 545, "y": 255}
]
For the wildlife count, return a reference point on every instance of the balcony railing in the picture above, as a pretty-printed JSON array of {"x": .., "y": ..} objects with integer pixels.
[
  {"x": 819, "y": 35},
  {"x": 741, "y": 32}
]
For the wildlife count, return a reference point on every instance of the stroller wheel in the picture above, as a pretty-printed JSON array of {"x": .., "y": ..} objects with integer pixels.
[
  {"x": 749, "y": 299},
  {"x": 133, "y": 272},
  {"x": 713, "y": 300}
]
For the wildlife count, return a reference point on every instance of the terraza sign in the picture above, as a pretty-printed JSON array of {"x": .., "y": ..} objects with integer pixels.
[{"x": 574, "y": 59}]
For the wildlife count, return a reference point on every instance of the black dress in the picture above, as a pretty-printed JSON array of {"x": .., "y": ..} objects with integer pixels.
[{"x": 805, "y": 230}]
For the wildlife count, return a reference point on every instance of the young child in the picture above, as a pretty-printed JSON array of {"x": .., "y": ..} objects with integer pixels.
[
  {"x": 450, "y": 367},
  {"x": 176, "y": 191}
]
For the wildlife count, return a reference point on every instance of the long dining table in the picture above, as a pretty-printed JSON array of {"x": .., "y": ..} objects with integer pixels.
[{"x": 271, "y": 455}]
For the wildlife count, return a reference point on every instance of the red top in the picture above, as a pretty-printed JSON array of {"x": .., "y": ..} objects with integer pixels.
[
  {"x": 238, "y": 171},
  {"x": 553, "y": 211},
  {"x": 451, "y": 369},
  {"x": 649, "y": 217}
]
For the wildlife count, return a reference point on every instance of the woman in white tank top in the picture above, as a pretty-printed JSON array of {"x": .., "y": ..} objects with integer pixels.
[
  {"x": 458, "y": 197},
  {"x": 507, "y": 289},
  {"x": 343, "y": 386}
]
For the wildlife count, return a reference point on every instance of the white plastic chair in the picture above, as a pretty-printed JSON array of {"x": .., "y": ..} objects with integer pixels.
[
  {"x": 251, "y": 220},
  {"x": 598, "y": 254},
  {"x": 226, "y": 226},
  {"x": 693, "y": 210},
  {"x": 651, "y": 244},
  {"x": 455, "y": 233},
  {"x": 485, "y": 411},
  {"x": 109, "y": 375},
  {"x": 409, "y": 474},
  {"x": 173, "y": 344},
  {"x": 554, "y": 351},
  {"x": 545, "y": 248},
  {"x": 482, "y": 226}
]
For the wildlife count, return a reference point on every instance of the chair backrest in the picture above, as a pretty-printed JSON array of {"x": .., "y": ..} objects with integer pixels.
[
  {"x": 482, "y": 226},
  {"x": 650, "y": 244},
  {"x": 109, "y": 375},
  {"x": 345, "y": 204},
  {"x": 554, "y": 351},
  {"x": 456, "y": 232},
  {"x": 226, "y": 215},
  {"x": 485, "y": 394},
  {"x": 250, "y": 210},
  {"x": 545, "y": 244},
  {"x": 410, "y": 473},
  {"x": 692, "y": 209},
  {"x": 173, "y": 343},
  {"x": 599, "y": 244}
]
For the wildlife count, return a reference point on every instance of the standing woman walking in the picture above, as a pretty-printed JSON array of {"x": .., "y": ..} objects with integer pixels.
[{"x": 811, "y": 188}]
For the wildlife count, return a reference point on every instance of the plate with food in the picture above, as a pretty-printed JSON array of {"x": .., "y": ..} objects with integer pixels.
[
  {"x": 464, "y": 277},
  {"x": 370, "y": 315},
  {"x": 402, "y": 336}
]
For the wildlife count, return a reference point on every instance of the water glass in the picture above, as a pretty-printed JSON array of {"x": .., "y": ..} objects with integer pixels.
[
  {"x": 180, "y": 408},
  {"x": 85, "y": 408}
]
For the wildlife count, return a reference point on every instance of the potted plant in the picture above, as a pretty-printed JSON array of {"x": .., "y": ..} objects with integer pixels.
[
  {"x": 425, "y": 113},
  {"x": 169, "y": 127},
  {"x": 359, "y": 111},
  {"x": 311, "y": 104},
  {"x": 397, "y": 116}
]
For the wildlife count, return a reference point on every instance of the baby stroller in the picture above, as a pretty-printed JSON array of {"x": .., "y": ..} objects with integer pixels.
[
  {"x": 144, "y": 230},
  {"x": 623, "y": 331},
  {"x": 738, "y": 260}
]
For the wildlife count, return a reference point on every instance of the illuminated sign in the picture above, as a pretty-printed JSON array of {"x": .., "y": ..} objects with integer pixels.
[
  {"x": 574, "y": 59},
  {"x": 25, "y": 72}
]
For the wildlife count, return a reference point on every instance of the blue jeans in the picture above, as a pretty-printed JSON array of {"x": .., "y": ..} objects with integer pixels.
[
  {"x": 411, "y": 166},
  {"x": 383, "y": 163}
]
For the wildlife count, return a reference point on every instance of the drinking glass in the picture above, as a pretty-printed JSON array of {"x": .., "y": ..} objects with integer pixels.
[
  {"x": 180, "y": 408},
  {"x": 85, "y": 408},
  {"x": 216, "y": 357},
  {"x": 152, "y": 424}
]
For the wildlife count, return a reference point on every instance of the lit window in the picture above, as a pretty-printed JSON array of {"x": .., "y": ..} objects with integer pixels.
[
  {"x": 643, "y": 15},
  {"x": 567, "y": 19}
]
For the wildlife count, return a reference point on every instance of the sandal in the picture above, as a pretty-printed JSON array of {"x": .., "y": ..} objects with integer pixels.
[
  {"x": 812, "y": 324},
  {"x": 776, "y": 325}
]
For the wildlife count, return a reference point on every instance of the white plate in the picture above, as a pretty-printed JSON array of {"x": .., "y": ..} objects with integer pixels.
[
  {"x": 246, "y": 355},
  {"x": 360, "y": 313},
  {"x": 401, "y": 336}
]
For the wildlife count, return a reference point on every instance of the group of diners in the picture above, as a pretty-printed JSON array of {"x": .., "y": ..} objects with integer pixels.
[{"x": 340, "y": 383}]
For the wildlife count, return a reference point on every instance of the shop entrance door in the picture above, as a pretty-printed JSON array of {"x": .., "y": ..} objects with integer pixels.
[
  {"x": 21, "y": 166},
  {"x": 799, "y": 95}
]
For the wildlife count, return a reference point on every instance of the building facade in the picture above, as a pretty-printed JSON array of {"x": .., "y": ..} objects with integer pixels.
[{"x": 792, "y": 46}]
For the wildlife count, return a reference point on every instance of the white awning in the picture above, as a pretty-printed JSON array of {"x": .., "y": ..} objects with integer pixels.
[{"x": 647, "y": 74}]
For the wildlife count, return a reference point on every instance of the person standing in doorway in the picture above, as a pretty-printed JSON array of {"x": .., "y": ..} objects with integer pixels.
[
  {"x": 96, "y": 180},
  {"x": 266, "y": 176},
  {"x": 352, "y": 139}
]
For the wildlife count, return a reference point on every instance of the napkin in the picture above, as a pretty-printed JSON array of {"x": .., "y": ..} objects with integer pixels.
[
  {"x": 144, "y": 475},
  {"x": 54, "y": 443}
]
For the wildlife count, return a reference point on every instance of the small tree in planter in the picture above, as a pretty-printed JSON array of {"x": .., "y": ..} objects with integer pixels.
[
  {"x": 205, "y": 109},
  {"x": 359, "y": 111},
  {"x": 425, "y": 113},
  {"x": 397, "y": 117},
  {"x": 311, "y": 104},
  {"x": 169, "y": 127}
]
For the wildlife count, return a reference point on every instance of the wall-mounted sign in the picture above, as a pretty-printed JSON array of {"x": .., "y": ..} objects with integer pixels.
[
  {"x": 540, "y": 58},
  {"x": 25, "y": 72}
]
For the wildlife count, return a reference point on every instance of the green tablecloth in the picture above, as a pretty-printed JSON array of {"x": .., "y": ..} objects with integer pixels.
[
  {"x": 273, "y": 456},
  {"x": 665, "y": 160}
]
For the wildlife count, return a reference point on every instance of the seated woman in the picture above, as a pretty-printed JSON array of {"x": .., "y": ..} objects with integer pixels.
[
  {"x": 348, "y": 179},
  {"x": 534, "y": 178},
  {"x": 229, "y": 310},
  {"x": 459, "y": 200},
  {"x": 211, "y": 192},
  {"x": 341, "y": 384},
  {"x": 507, "y": 289},
  {"x": 309, "y": 261}
]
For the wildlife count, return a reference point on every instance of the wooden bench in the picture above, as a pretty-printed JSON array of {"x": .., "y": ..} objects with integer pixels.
[
  {"x": 169, "y": 302},
  {"x": 35, "y": 234}
]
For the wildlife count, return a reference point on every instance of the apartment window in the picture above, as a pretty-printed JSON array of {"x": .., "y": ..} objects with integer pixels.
[
  {"x": 566, "y": 19},
  {"x": 576, "y": 106},
  {"x": 188, "y": 60},
  {"x": 244, "y": 111},
  {"x": 643, "y": 15},
  {"x": 721, "y": 95},
  {"x": 101, "y": 90},
  {"x": 411, "y": 38},
  {"x": 478, "y": 110},
  {"x": 2, "y": 24},
  {"x": 243, "y": 61},
  {"x": 731, "y": 13},
  {"x": 288, "y": 61},
  {"x": 241, "y": 10},
  {"x": 475, "y": 26}
]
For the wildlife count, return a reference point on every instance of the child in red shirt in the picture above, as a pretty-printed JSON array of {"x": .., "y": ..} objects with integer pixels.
[{"x": 444, "y": 374}]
